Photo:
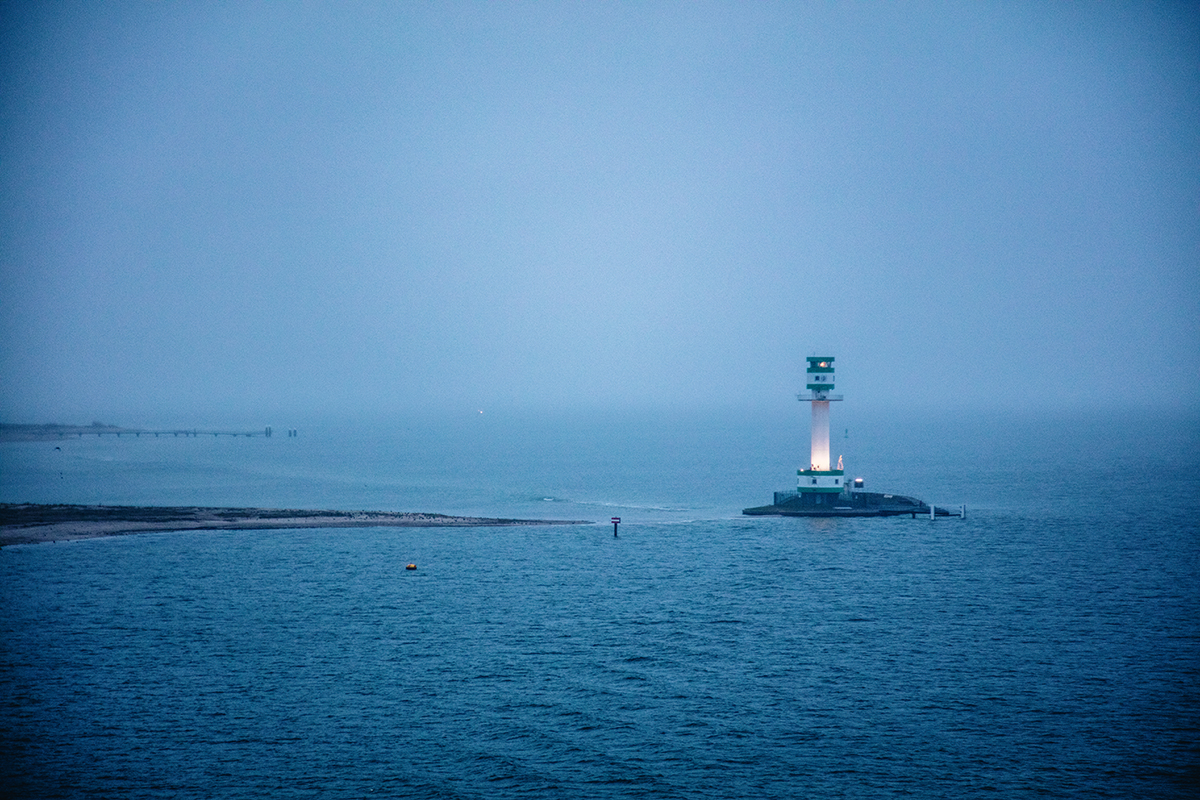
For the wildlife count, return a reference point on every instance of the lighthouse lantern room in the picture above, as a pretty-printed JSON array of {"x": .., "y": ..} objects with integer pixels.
[{"x": 820, "y": 477}]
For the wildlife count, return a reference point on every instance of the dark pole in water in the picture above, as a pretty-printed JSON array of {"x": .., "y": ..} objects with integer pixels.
[{"x": 615, "y": 521}]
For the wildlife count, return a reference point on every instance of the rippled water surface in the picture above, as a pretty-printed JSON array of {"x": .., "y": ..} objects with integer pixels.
[{"x": 1043, "y": 646}]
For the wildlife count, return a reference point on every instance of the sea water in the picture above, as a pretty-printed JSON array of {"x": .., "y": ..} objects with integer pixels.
[{"x": 1046, "y": 645}]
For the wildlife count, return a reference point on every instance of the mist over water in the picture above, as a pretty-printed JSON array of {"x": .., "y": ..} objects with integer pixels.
[
  {"x": 712, "y": 462},
  {"x": 1043, "y": 646}
]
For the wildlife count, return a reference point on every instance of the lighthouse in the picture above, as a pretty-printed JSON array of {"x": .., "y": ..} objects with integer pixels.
[
  {"x": 821, "y": 489},
  {"x": 820, "y": 478}
]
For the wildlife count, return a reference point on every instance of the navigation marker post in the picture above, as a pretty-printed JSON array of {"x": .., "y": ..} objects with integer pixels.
[{"x": 615, "y": 521}]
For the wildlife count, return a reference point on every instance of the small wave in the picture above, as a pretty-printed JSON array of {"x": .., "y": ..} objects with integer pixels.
[
  {"x": 610, "y": 504},
  {"x": 630, "y": 506}
]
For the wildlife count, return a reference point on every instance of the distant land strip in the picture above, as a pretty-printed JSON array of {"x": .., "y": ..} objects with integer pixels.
[{"x": 28, "y": 523}]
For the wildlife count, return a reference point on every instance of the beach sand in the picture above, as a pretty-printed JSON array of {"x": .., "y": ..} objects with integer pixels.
[{"x": 32, "y": 524}]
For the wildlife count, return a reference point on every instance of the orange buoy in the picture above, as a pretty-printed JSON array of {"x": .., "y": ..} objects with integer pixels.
[{"x": 411, "y": 566}]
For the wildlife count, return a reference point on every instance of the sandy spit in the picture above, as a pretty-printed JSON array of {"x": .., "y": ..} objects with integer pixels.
[{"x": 27, "y": 523}]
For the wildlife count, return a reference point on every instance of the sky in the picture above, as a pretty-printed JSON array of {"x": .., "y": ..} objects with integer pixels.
[{"x": 249, "y": 210}]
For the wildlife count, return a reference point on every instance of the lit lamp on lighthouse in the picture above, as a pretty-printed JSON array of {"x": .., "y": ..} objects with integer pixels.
[{"x": 819, "y": 478}]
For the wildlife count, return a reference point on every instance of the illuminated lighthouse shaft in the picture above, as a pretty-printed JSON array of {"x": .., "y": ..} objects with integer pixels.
[
  {"x": 820, "y": 479},
  {"x": 820, "y": 435}
]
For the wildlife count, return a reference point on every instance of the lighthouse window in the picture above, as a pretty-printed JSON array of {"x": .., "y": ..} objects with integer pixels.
[{"x": 814, "y": 481}]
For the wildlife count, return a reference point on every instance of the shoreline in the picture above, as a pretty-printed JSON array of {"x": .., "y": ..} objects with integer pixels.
[{"x": 30, "y": 523}]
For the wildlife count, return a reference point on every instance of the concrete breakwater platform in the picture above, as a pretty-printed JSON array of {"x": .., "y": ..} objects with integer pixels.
[{"x": 847, "y": 504}]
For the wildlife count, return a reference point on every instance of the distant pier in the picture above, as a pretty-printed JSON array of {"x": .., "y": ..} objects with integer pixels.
[{"x": 40, "y": 433}]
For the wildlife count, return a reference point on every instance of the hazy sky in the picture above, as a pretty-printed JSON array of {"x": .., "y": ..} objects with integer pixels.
[{"x": 253, "y": 209}]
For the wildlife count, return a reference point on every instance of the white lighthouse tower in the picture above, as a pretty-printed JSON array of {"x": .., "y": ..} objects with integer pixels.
[
  {"x": 820, "y": 478},
  {"x": 821, "y": 489}
]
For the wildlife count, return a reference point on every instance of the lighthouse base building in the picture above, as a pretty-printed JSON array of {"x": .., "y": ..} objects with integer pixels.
[{"x": 822, "y": 489}]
